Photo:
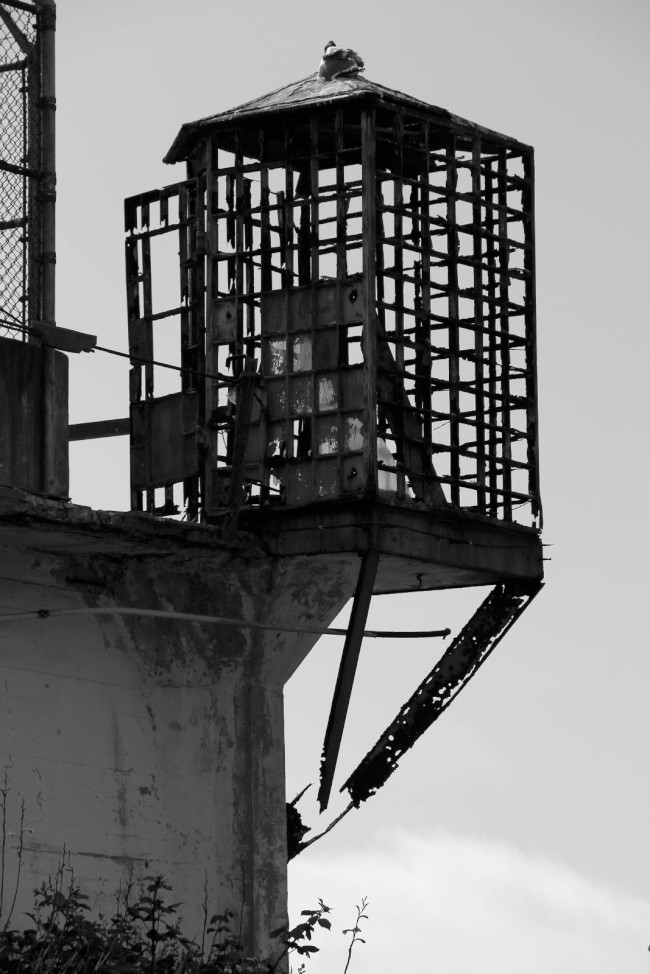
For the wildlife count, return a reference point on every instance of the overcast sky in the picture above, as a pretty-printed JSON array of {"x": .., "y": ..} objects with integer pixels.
[{"x": 513, "y": 838}]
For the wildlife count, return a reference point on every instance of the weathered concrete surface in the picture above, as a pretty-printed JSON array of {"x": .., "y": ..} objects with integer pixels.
[
  {"x": 420, "y": 548},
  {"x": 148, "y": 743},
  {"x": 33, "y": 417}
]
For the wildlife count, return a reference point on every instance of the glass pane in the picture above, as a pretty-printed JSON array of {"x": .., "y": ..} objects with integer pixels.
[
  {"x": 301, "y": 395},
  {"x": 327, "y": 393},
  {"x": 328, "y": 437},
  {"x": 278, "y": 356},
  {"x": 354, "y": 435},
  {"x": 302, "y": 353}
]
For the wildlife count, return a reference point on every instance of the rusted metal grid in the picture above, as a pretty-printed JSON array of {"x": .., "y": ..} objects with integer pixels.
[
  {"x": 166, "y": 323},
  {"x": 271, "y": 263},
  {"x": 286, "y": 288},
  {"x": 19, "y": 167},
  {"x": 456, "y": 316},
  {"x": 426, "y": 392}
]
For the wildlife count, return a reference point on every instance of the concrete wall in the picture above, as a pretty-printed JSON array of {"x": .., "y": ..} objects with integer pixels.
[
  {"x": 33, "y": 417},
  {"x": 148, "y": 744}
]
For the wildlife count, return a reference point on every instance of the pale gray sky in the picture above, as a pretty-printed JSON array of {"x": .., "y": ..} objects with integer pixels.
[{"x": 514, "y": 836}]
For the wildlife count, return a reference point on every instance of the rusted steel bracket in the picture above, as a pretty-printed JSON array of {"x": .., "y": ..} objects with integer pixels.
[
  {"x": 99, "y": 429},
  {"x": 65, "y": 339},
  {"x": 345, "y": 679},
  {"x": 457, "y": 666}
]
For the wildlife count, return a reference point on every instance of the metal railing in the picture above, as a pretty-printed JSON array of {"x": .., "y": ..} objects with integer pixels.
[{"x": 27, "y": 176}]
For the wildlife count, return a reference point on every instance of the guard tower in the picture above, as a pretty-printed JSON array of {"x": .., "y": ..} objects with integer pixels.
[
  {"x": 355, "y": 330},
  {"x": 343, "y": 284}
]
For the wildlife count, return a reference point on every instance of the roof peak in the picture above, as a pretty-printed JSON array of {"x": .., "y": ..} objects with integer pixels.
[
  {"x": 311, "y": 90},
  {"x": 314, "y": 91}
]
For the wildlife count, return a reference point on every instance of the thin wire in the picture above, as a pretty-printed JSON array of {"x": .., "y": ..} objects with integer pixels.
[
  {"x": 11, "y": 324},
  {"x": 219, "y": 377},
  {"x": 216, "y": 620},
  {"x": 228, "y": 379}
]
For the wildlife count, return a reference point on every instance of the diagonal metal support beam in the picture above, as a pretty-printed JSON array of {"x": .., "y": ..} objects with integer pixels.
[
  {"x": 456, "y": 667},
  {"x": 345, "y": 679},
  {"x": 401, "y": 416}
]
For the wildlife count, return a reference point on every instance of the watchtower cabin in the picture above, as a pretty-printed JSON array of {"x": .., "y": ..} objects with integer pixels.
[{"x": 355, "y": 326}]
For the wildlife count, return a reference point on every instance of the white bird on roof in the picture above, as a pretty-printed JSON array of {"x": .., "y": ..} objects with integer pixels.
[{"x": 339, "y": 61}]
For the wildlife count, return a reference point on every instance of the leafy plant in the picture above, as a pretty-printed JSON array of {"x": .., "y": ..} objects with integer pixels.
[
  {"x": 143, "y": 936},
  {"x": 292, "y": 939}
]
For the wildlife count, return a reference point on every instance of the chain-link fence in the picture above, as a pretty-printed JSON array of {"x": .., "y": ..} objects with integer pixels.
[{"x": 20, "y": 167}]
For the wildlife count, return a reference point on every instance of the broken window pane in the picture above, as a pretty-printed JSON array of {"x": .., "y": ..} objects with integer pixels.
[
  {"x": 386, "y": 479},
  {"x": 354, "y": 437},
  {"x": 301, "y": 395},
  {"x": 277, "y": 441},
  {"x": 328, "y": 436},
  {"x": 278, "y": 356},
  {"x": 327, "y": 393},
  {"x": 302, "y": 353}
]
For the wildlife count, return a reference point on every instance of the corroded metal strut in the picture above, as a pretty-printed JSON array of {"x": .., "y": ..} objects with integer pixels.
[
  {"x": 459, "y": 663},
  {"x": 345, "y": 679}
]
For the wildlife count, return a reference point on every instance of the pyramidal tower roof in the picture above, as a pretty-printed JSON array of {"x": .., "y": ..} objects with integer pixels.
[
  {"x": 309, "y": 92},
  {"x": 312, "y": 91}
]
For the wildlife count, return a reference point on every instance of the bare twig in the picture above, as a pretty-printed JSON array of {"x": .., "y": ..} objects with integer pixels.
[
  {"x": 356, "y": 929},
  {"x": 20, "y": 860},
  {"x": 303, "y": 845},
  {"x": 205, "y": 915},
  {"x": 4, "y": 791}
]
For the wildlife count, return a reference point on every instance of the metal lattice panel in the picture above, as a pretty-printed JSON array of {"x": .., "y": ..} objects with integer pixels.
[{"x": 167, "y": 326}]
